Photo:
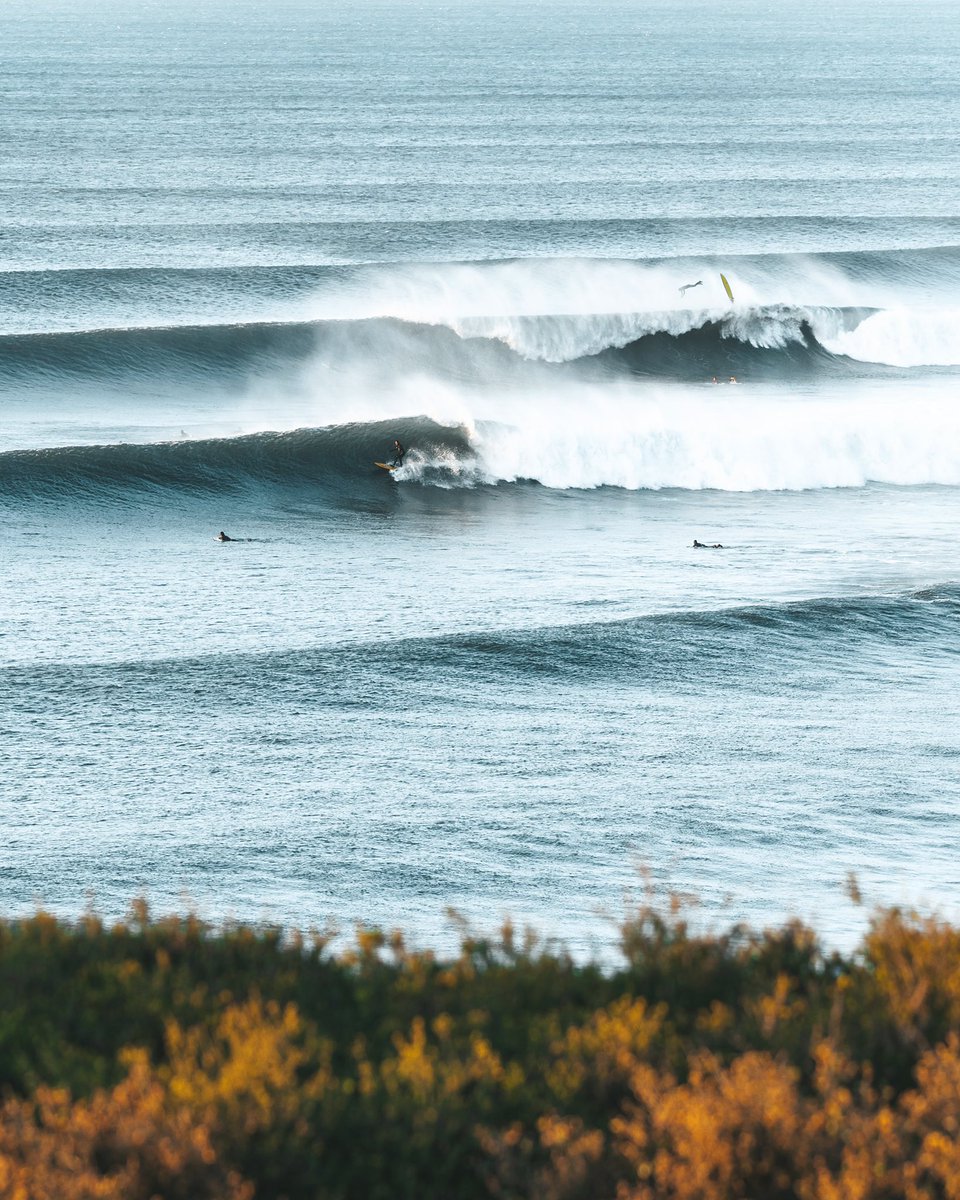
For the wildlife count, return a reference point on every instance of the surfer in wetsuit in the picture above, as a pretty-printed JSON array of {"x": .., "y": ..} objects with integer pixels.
[
  {"x": 222, "y": 537},
  {"x": 687, "y": 286},
  {"x": 398, "y": 453},
  {"x": 706, "y": 545}
]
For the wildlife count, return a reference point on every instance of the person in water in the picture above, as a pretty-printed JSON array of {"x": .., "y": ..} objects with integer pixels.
[
  {"x": 398, "y": 453},
  {"x": 706, "y": 545},
  {"x": 222, "y": 537},
  {"x": 687, "y": 286}
]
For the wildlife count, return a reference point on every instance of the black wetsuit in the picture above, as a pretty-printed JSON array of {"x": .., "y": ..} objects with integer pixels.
[{"x": 398, "y": 453}]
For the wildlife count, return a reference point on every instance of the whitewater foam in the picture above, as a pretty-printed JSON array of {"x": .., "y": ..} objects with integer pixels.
[
  {"x": 903, "y": 337},
  {"x": 752, "y": 440}
]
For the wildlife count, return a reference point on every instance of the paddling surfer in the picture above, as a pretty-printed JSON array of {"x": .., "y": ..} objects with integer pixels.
[{"x": 706, "y": 545}]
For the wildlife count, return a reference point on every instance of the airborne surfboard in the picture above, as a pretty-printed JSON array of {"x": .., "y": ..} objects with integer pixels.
[{"x": 726, "y": 286}]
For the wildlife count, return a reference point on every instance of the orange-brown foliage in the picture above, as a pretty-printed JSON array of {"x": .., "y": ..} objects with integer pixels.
[{"x": 128, "y": 1143}]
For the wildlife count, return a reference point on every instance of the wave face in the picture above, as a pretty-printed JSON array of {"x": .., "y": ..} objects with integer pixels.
[
  {"x": 774, "y": 342},
  {"x": 570, "y": 373},
  {"x": 296, "y": 460}
]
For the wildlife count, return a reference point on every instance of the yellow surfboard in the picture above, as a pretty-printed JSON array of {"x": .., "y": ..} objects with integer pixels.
[
  {"x": 385, "y": 466},
  {"x": 723, "y": 280}
]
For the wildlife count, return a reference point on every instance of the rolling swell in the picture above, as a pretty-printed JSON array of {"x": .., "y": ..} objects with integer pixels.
[
  {"x": 773, "y": 646},
  {"x": 708, "y": 644},
  {"x": 303, "y": 459}
]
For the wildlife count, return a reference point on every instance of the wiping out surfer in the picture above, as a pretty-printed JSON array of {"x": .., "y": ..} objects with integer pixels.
[
  {"x": 706, "y": 545},
  {"x": 687, "y": 286}
]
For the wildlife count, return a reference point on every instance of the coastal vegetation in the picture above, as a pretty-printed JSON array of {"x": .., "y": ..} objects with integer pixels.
[{"x": 165, "y": 1058}]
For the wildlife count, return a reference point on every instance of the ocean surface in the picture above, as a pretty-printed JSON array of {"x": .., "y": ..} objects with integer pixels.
[{"x": 244, "y": 246}]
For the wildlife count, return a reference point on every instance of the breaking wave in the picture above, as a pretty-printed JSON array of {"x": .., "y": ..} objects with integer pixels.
[
  {"x": 567, "y": 373},
  {"x": 774, "y": 341},
  {"x": 727, "y": 438}
]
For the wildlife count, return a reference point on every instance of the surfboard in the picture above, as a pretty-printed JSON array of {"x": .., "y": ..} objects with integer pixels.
[
  {"x": 385, "y": 466},
  {"x": 723, "y": 280}
]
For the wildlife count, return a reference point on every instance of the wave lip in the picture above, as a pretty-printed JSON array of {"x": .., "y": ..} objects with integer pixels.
[{"x": 566, "y": 338}]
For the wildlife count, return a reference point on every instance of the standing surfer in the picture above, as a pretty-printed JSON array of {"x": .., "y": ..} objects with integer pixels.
[{"x": 398, "y": 453}]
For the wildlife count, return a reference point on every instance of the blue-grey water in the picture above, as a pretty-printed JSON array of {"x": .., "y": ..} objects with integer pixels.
[{"x": 244, "y": 246}]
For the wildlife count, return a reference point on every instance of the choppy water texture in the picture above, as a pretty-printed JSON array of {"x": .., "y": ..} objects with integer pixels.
[{"x": 244, "y": 247}]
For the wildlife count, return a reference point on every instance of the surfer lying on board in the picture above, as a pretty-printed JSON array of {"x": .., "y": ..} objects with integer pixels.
[
  {"x": 222, "y": 537},
  {"x": 706, "y": 545},
  {"x": 687, "y": 286},
  {"x": 398, "y": 453}
]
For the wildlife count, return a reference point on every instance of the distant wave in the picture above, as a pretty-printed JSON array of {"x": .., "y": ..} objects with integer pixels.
[
  {"x": 290, "y": 244},
  {"x": 921, "y": 264},
  {"x": 218, "y": 351},
  {"x": 237, "y": 319},
  {"x": 774, "y": 341}
]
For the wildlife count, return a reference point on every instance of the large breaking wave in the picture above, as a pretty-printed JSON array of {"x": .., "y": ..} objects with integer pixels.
[
  {"x": 690, "y": 345},
  {"x": 586, "y": 439},
  {"x": 566, "y": 373}
]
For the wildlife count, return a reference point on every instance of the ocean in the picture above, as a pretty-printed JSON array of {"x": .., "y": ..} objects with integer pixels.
[{"x": 245, "y": 246}]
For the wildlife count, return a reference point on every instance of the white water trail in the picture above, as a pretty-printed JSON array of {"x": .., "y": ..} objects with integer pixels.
[
  {"x": 732, "y": 439},
  {"x": 902, "y": 337}
]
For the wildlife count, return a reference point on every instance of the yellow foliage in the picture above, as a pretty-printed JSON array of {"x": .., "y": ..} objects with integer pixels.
[
  {"x": 777, "y": 1008},
  {"x": 251, "y": 1067},
  {"x": 605, "y": 1049},
  {"x": 423, "y": 1071},
  {"x": 916, "y": 971}
]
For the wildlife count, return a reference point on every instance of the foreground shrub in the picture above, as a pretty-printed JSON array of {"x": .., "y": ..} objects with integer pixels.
[{"x": 166, "y": 1060}]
